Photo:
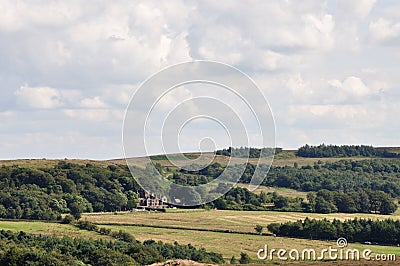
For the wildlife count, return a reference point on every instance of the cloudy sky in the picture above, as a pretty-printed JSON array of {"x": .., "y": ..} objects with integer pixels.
[{"x": 329, "y": 69}]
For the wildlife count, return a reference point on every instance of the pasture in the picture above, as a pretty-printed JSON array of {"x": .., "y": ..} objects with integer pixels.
[
  {"x": 237, "y": 221},
  {"x": 228, "y": 244}
]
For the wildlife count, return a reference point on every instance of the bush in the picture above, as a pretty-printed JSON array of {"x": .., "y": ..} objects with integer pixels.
[
  {"x": 85, "y": 225},
  {"x": 68, "y": 219},
  {"x": 244, "y": 258},
  {"x": 259, "y": 228},
  {"x": 105, "y": 231},
  {"x": 123, "y": 236}
]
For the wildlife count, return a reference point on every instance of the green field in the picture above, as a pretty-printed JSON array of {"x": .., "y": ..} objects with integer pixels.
[
  {"x": 228, "y": 244},
  {"x": 145, "y": 225},
  {"x": 238, "y": 221}
]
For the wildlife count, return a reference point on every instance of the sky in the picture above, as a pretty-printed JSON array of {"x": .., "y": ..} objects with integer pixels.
[{"x": 329, "y": 69}]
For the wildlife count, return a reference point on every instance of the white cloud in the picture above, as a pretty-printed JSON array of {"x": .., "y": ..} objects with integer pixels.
[
  {"x": 320, "y": 63},
  {"x": 355, "y": 9},
  {"x": 96, "y": 115},
  {"x": 384, "y": 30},
  {"x": 273, "y": 61},
  {"x": 19, "y": 14},
  {"x": 319, "y": 30},
  {"x": 119, "y": 94},
  {"x": 341, "y": 112},
  {"x": 38, "y": 97},
  {"x": 299, "y": 87},
  {"x": 244, "y": 34},
  {"x": 352, "y": 86},
  {"x": 95, "y": 102},
  {"x": 316, "y": 91}
]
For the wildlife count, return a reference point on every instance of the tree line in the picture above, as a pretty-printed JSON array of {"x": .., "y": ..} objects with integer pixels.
[
  {"x": 30, "y": 249},
  {"x": 343, "y": 151},
  {"x": 248, "y": 152},
  {"x": 323, "y": 201},
  {"x": 385, "y": 231}
]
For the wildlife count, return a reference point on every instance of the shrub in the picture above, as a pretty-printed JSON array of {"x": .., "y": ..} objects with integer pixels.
[
  {"x": 68, "y": 219},
  {"x": 244, "y": 258}
]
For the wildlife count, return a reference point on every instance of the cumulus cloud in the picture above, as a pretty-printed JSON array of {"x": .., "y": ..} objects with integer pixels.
[
  {"x": 383, "y": 30},
  {"x": 347, "y": 113},
  {"x": 95, "y": 102},
  {"x": 39, "y": 97},
  {"x": 325, "y": 66},
  {"x": 250, "y": 34},
  {"x": 353, "y": 86}
]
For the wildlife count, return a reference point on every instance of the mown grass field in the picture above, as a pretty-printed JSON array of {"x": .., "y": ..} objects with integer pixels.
[
  {"x": 238, "y": 221},
  {"x": 229, "y": 244}
]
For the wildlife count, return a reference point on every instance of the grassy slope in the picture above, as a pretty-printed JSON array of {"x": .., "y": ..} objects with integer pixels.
[
  {"x": 286, "y": 192},
  {"x": 227, "y": 244},
  {"x": 240, "y": 221},
  {"x": 286, "y": 157},
  {"x": 233, "y": 244},
  {"x": 47, "y": 228}
]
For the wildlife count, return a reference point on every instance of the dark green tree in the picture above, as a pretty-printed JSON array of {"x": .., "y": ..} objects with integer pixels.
[
  {"x": 244, "y": 258},
  {"x": 259, "y": 229}
]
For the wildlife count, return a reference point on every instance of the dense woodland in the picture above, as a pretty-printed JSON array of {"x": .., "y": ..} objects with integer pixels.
[
  {"x": 323, "y": 150},
  {"x": 343, "y": 175},
  {"x": 323, "y": 201},
  {"x": 367, "y": 186},
  {"x": 358, "y": 230},
  {"x": 45, "y": 193},
  {"x": 27, "y": 249},
  {"x": 361, "y": 201}
]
